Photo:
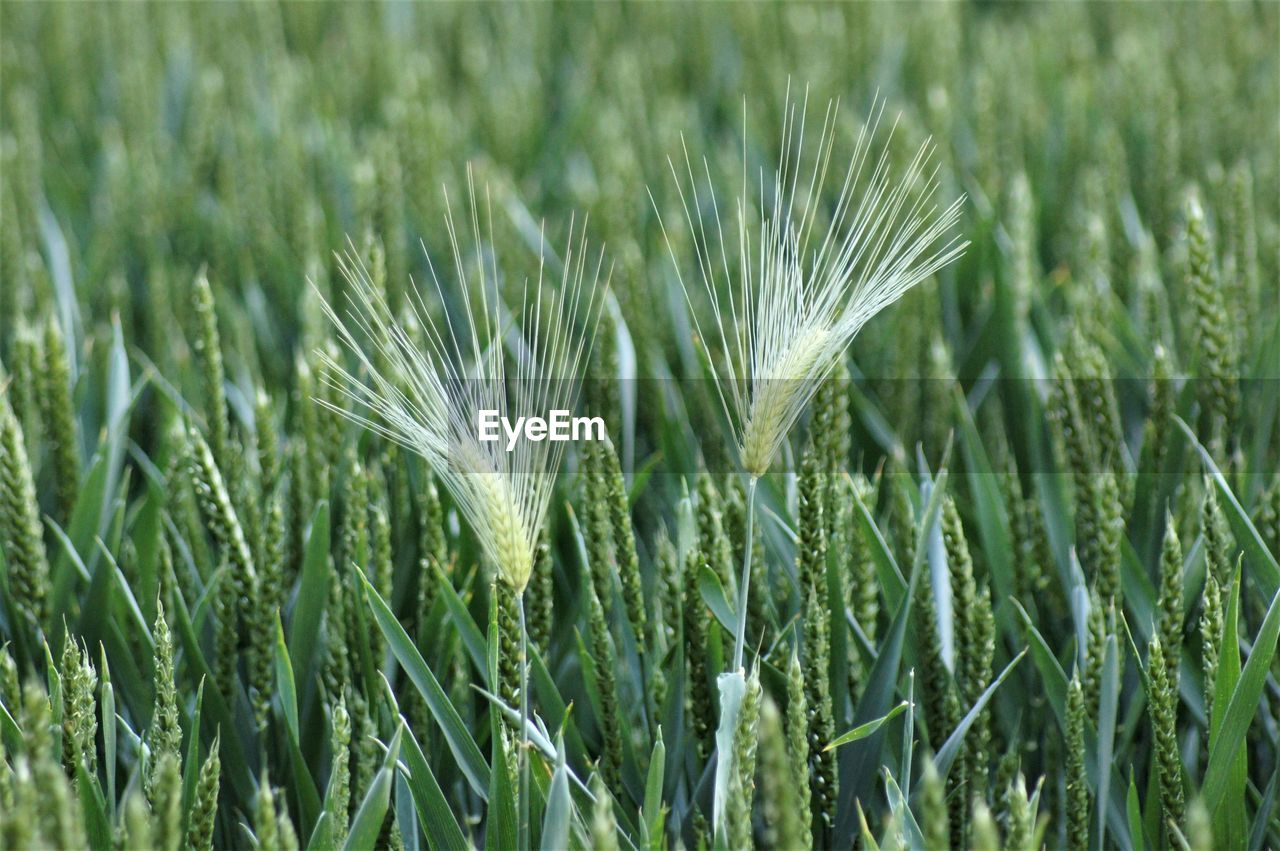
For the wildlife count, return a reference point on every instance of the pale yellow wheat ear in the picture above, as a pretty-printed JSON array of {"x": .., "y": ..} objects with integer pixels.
[
  {"x": 425, "y": 387},
  {"x": 786, "y": 305}
]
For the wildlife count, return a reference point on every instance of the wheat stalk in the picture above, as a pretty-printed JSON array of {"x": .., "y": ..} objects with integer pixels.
[{"x": 428, "y": 397}]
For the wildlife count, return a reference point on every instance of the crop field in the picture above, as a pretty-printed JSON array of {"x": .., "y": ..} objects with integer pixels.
[{"x": 997, "y": 570}]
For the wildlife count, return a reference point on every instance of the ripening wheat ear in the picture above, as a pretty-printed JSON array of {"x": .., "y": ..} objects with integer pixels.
[
  {"x": 787, "y": 307},
  {"x": 428, "y": 398}
]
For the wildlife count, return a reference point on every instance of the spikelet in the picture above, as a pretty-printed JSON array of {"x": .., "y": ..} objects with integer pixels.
[
  {"x": 822, "y": 769},
  {"x": 1269, "y": 516},
  {"x": 602, "y": 651},
  {"x": 1219, "y": 544},
  {"x": 1023, "y": 274},
  {"x": 48, "y": 811},
  {"x": 165, "y": 734},
  {"x": 865, "y": 587},
  {"x": 204, "y": 808},
  {"x": 602, "y": 391},
  {"x": 265, "y": 828},
  {"x": 804, "y": 290},
  {"x": 58, "y": 416},
  {"x": 975, "y": 644},
  {"x": 218, "y": 511},
  {"x": 797, "y": 727},
  {"x": 208, "y": 352},
  {"x": 20, "y": 527},
  {"x": 270, "y": 468},
  {"x": 166, "y": 808},
  {"x": 1217, "y": 368},
  {"x": 1199, "y": 827},
  {"x": 382, "y": 571},
  {"x": 599, "y": 529},
  {"x": 429, "y": 398},
  {"x": 338, "y": 799},
  {"x": 1163, "y": 709},
  {"x": 982, "y": 828},
  {"x": 226, "y": 635},
  {"x": 26, "y": 357},
  {"x": 508, "y": 643},
  {"x": 933, "y": 809},
  {"x": 902, "y": 521},
  {"x": 1098, "y": 406},
  {"x": 811, "y": 546},
  {"x": 10, "y": 687},
  {"x": 237, "y": 579},
  {"x": 79, "y": 707},
  {"x": 713, "y": 540},
  {"x": 742, "y": 782},
  {"x": 1105, "y": 549},
  {"x": 366, "y": 755},
  {"x": 1020, "y": 826},
  {"x": 624, "y": 542},
  {"x": 312, "y": 471},
  {"x": 1242, "y": 246},
  {"x": 1169, "y": 619},
  {"x": 1095, "y": 643},
  {"x": 1078, "y": 805},
  {"x": 135, "y": 831},
  {"x": 433, "y": 546},
  {"x": 604, "y": 825},
  {"x": 261, "y": 615},
  {"x": 1211, "y": 626},
  {"x": 701, "y": 704},
  {"x": 542, "y": 613},
  {"x": 1030, "y": 540},
  {"x": 780, "y": 802},
  {"x": 273, "y": 560},
  {"x": 1160, "y": 418}
]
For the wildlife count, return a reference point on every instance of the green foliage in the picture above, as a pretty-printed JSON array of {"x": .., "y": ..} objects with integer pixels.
[{"x": 190, "y": 656}]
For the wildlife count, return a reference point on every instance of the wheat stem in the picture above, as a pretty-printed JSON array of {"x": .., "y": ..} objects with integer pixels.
[
  {"x": 523, "y": 841},
  {"x": 745, "y": 584}
]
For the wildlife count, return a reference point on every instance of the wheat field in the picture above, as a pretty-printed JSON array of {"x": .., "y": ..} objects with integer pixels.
[{"x": 957, "y": 529}]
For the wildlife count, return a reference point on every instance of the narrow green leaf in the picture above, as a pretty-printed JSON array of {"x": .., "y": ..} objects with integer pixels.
[
  {"x": 285, "y": 682},
  {"x": 367, "y": 824},
  {"x": 886, "y": 565},
  {"x": 109, "y": 732},
  {"x": 97, "y": 824},
  {"x": 438, "y": 822},
  {"x": 313, "y": 594},
  {"x": 1052, "y": 676},
  {"x": 555, "y": 823},
  {"x": 191, "y": 766},
  {"x": 472, "y": 637},
  {"x": 951, "y": 747},
  {"x": 712, "y": 593},
  {"x": 1107, "y": 730},
  {"x": 1266, "y": 570},
  {"x": 455, "y": 730},
  {"x": 863, "y": 730},
  {"x": 322, "y": 836},
  {"x": 1133, "y": 809},
  {"x": 653, "y": 815},
  {"x": 304, "y": 784},
  {"x": 1226, "y": 747}
]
